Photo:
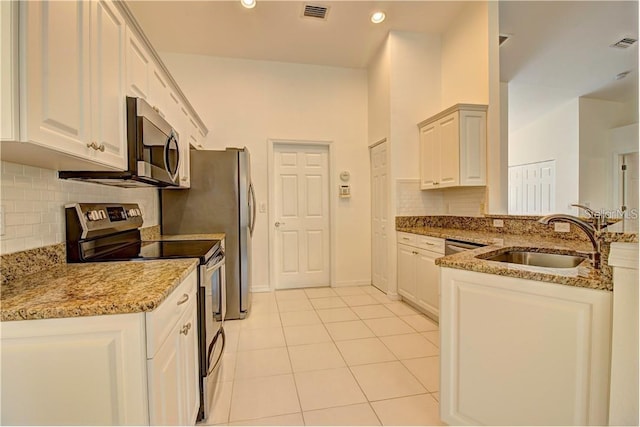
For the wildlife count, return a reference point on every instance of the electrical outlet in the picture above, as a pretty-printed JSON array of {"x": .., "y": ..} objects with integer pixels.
[
  {"x": 562, "y": 227},
  {"x": 498, "y": 223}
]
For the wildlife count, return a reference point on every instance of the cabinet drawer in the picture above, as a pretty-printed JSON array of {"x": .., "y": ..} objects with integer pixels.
[
  {"x": 434, "y": 244},
  {"x": 161, "y": 321},
  {"x": 407, "y": 238}
]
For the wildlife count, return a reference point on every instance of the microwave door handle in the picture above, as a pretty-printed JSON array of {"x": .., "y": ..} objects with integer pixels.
[
  {"x": 252, "y": 224},
  {"x": 172, "y": 175}
]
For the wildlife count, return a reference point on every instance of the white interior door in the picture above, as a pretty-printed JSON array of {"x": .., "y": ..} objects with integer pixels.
[
  {"x": 379, "y": 158},
  {"x": 301, "y": 213}
]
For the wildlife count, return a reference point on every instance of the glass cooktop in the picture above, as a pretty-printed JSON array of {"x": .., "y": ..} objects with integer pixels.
[{"x": 201, "y": 249}]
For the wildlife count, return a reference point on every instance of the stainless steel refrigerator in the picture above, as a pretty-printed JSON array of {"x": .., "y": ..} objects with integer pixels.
[{"x": 221, "y": 200}]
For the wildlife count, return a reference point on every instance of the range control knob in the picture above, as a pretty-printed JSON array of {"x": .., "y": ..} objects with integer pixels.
[
  {"x": 102, "y": 214},
  {"x": 93, "y": 215}
]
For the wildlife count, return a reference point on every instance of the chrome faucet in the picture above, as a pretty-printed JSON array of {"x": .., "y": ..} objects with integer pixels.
[
  {"x": 589, "y": 229},
  {"x": 598, "y": 219}
]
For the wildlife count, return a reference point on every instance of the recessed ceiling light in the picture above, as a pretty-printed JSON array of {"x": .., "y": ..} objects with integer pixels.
[
  {"x": 249, "y": 4},
  {"x": 378, "y": 17}
]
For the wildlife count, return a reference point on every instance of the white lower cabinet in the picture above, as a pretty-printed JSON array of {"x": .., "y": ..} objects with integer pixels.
[
  {"x": 520, "y": 352},
  {"x": 418, "y": 275},
  {"x": 173, "y": 387},
  {"x": 99, "y": 371}
]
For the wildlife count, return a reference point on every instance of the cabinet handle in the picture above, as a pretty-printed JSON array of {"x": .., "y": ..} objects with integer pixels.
[
  {"x": 184, "y": 299},
  {"x": 436, "y": 183},
  {"x": 95, "y": 146},
  {"x": 185, "y": 329},
  {"x": 406, "y": 238},
  {"x": 414, "y": 252}
]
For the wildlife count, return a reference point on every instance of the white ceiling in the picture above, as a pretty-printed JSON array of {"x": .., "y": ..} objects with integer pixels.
[
  {"x": 277, "y": 31},
  {"x": 559, "y": 50}
]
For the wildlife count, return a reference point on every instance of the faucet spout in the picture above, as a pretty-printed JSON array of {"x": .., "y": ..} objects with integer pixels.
[{"x": 589, "y": 230}]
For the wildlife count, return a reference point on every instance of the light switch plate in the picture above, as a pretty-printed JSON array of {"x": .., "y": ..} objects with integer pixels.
[{"x": 562, "y": 227}]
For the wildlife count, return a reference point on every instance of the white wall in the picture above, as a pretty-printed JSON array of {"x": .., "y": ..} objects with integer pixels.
[
  {"x": 552, "y": 136},
  {"x": 246, "y": 102},
  {"x": 33, "y": 201},
  {"x": 597, "y": 118},
  {"x": 414, "y": 95},
  {"x": 379, "y": 94},
  {"x": 465, "y": 57}
]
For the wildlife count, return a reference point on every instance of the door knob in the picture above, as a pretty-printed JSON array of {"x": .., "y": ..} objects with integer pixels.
[{"x": 278, "y": 223}]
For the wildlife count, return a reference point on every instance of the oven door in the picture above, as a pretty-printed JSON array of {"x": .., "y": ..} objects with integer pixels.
[{"x": 213, "y": 306}]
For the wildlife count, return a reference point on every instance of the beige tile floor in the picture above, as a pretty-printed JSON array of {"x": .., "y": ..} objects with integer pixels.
[{"x": 329, "y": 356}]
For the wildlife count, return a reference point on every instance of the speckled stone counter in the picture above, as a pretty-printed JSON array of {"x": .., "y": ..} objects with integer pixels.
[
  {"x": 581, "y": 276},
  {"x": 91, "y": 289}
]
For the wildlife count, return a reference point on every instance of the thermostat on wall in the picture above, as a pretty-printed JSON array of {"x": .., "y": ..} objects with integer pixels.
[{"x": 345, "y": 175}]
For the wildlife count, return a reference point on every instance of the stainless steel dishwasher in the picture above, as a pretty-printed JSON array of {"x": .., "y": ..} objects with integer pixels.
[{"x": 452, "y": 246}]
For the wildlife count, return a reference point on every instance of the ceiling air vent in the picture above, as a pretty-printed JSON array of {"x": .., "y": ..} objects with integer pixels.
[
  {"x": 624, "y": 43},
  {"x": 315, "y": 11}
]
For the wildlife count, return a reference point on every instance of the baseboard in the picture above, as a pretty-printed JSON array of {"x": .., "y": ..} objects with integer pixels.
[
  {"x": 352, "y": 283},
  {"x": 257, "y": 289}
]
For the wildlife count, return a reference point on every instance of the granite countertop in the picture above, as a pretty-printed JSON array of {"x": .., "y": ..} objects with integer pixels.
[
  {"x": 581, "y": 276},
  {"x": 91, "y": 289}
]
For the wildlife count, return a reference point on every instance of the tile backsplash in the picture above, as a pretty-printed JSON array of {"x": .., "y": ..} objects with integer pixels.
[
  {"x": 464, "y": 201},
  {"x": 33, "y": 199}
]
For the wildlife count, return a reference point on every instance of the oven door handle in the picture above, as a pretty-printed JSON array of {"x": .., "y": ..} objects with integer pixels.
[
  {"x": 213, "y": 367},
  {"x": 217, "y": 263}
]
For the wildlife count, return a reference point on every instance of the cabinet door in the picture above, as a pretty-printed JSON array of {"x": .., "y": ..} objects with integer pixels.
[
  {"x": 407, "y": 272},
  {"x": 138, "y": 65},
  {"x": 9, "y": 76},
  {"x": 473, "y": 147},
  {"x": 543, "y": 348},
  {"x": 429, "y": 156},
  {"x": 159, "y": 91},
  {"x": 449, "y": 133},
  {"x": 190, "y": 369},
  {"x": 165, "y": 385},
  {"x": 56, "y": 75},
  {"x": 74, "y": 371},
  {"x": 108, "y": 31},
  {"x": 174, "y": 391},
  {"x": 428, "y": 281}
]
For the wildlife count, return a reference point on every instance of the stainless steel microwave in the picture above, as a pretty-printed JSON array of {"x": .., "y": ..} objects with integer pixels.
[{"x": 153, "y": 152}]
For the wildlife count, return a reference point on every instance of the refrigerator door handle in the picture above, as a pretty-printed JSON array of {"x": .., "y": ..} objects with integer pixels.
[{"x": 252, "y": 223}]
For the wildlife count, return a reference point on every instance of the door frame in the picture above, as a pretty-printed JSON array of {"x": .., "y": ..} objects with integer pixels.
[
  {"x": 388, "y": 208},
  {"x": 271, "y": 145},
  {"x": 616, "y": 176}
]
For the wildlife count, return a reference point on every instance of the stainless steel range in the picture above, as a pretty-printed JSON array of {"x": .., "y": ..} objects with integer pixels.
[{"x": 102, "y": 232}]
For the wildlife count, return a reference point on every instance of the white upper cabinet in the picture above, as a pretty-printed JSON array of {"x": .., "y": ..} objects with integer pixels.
[
  {"x": 108, "y": 31},
  {"x": 57, "y": 75},
  {"x": 138, "y": 65},
  {"x": 8, "y": 73},
  {"x": 66, "y": 70},
  {"x": 453, "y": 148},
  {"x": 74, "y": 61}
]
